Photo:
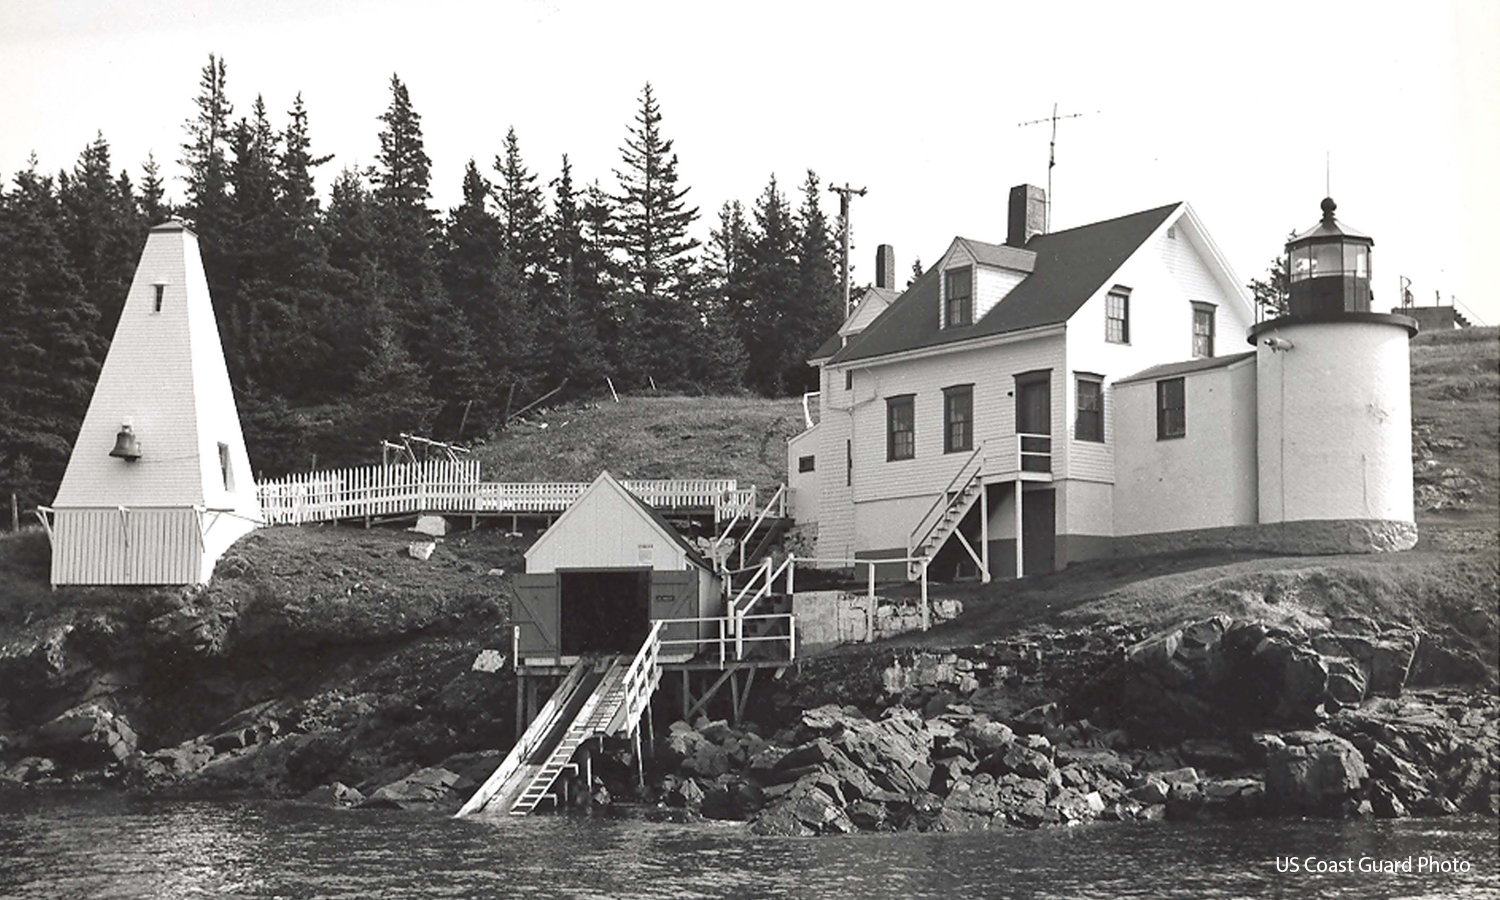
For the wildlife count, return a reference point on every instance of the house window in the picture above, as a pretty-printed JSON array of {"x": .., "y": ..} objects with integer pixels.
[
  {"x": 958, "y": 287},
  {"x": 225, "y": 469},
  {"x": 1171, "y": 409},
  {"x": 1117, "y": 316},
  {"x": 958, "y": 418},
  {"x": 161, "y": 291},
  {"x": 900, "y": 428},
  {"x": 849, "y": 380},
  {"x": 1089, "y": 424},
  {"x": 806, "y": 463},
  {"x": 848, "y": 463},
  {"x": 1203, "y": 329}
]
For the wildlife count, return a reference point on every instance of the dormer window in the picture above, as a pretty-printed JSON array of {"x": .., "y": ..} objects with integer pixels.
[{"x": 958, "y": 288}]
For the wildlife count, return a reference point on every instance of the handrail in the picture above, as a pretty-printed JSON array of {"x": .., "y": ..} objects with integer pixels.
[
  {"x": 641, "y": 677},
  {"x": 944, "y": 500},
  {"x": 780, "y": 494},
  {"x": 762, "y": 570},
  {"x": 713, "y": 548},
  {"x": 731, "y": 642},
  {"x": 1022, "y": 452}
]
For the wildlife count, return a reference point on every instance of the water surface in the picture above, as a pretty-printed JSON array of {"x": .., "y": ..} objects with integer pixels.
[{"x": 102, "y": 846}]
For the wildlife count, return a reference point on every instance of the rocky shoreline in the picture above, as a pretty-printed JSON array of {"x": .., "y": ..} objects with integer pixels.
[{"x": 1216, "y": 718}]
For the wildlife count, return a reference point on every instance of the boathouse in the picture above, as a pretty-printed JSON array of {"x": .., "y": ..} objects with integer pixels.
[
  {"x": 159, "y": 484},
  {"x": 608, "y": 567}
]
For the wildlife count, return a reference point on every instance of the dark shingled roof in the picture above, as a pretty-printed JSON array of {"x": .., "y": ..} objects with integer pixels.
[
  {"x": 1070, "y": 267},
  {"x": 1168, "y": 370},
  {"x": 827, "y": 348}
]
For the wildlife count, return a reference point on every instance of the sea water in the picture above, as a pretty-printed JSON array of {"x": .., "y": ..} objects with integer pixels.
[{"x": 106, "y": 846}]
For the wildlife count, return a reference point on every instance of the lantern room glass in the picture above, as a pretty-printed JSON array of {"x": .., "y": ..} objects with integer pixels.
[{"x": 1333, "y": 258}]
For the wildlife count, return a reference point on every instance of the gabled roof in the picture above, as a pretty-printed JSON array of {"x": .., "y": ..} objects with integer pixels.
[
  {"x": 607, "y": 482},
  {"x": 1169, "y": 370},
  {"x": 872, "y": 302},
  {"x": 999, "y": 255},
  {"x": 1070, "y": 268}
]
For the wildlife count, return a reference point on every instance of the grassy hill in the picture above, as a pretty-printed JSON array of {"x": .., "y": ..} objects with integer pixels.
[{"x": 649, "y": 437}]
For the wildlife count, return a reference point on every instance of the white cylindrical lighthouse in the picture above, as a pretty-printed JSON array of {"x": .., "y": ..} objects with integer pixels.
[{"x": 1333, "y": 397}]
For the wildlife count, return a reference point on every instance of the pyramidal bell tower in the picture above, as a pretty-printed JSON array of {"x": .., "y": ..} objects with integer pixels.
[{"x": 159, "y": 483}]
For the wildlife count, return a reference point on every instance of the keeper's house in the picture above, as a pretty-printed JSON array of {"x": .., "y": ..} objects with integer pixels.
[
  {"x": 159, "y": 484},
  {"x": 1074, "y": 395}
]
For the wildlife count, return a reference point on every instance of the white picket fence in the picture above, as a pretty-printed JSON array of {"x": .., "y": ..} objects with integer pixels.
[{"x": 441, "y": 486}]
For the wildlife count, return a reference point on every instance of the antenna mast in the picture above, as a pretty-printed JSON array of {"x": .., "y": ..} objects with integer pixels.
[
  {"x": 1051, "y": 153},
  {"x": 845, "y": 194}
]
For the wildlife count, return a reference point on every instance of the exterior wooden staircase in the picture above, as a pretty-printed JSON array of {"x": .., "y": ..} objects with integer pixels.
[
  {"x": 598, "y": 697},
  {"x": 947, "y": 513}
]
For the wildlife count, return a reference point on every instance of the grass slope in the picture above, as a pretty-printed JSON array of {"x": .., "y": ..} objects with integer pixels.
[{"x": 649, "y": 437}]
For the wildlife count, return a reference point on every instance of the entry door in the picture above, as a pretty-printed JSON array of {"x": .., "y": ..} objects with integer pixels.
[
  {"x": 535, "y": 609},
  {"x": 674, "y": 595},
  {"x": 1039, "y": 531},
  {"x": 1034, "y": 416}
]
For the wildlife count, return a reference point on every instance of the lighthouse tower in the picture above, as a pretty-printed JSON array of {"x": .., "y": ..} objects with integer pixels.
[
  {"x": 1333, "y": 397},
  {"x": 159, "y": 484}
]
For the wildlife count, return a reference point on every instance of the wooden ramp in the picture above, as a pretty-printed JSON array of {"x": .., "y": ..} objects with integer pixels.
[{"x": 597, "y": 697}]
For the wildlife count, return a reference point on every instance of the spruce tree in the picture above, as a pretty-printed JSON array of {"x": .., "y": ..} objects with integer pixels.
[
  {"x": 407, "y": 225},
  {"x": 772, "y": 276},
  {"x": 571, "y": 308},
  {"x": 205, "y": 156},
  {"x": 520, "y": 206},
  {"x": 817, "y": 307},
  {"x": 484, "y": 287},
  {"x": 152, "y": 198},
  {"x": 100, "y": 228},
  {"x": 916, "y": 271},
  {"x": 49, "y": 346},
  {"x": 652, "y": 238}
]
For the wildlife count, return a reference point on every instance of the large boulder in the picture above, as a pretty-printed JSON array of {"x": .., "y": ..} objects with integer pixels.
[
  {"x": 1315, "y": 772},
  {"x": 422, "y": 788},
  {"x": 88, "y": 734}
]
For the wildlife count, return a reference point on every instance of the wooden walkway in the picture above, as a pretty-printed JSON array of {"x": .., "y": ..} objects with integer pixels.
[{"x": 445, "y": 487}]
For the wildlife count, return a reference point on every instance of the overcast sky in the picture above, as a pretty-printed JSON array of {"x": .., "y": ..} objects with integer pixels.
[{"x": 1231, "y": 108}]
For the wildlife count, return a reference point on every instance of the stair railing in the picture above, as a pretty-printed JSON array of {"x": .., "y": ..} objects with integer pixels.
[
  {"x": 780, "y": 495},
  {"x": 934, "y": 515},
  {"x": 738, "y": 610},
  {"x": 642, "y": 676}
]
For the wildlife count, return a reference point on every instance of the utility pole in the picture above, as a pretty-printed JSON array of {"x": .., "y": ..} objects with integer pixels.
[
  {"x": 845, "y": 193},
  {"x": 1051, "y": 154}
]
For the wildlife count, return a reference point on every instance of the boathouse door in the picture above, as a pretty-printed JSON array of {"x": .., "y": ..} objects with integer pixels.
[{"x": 535, "y": 611}]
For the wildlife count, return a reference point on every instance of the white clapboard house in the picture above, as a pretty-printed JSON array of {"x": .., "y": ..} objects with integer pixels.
[
  {"x": 1094, "y": 391},
  {"x": 159, "y": 484}
]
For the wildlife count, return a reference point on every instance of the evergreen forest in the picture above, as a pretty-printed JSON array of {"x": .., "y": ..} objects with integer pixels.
[{"x": 350, "y": 318}]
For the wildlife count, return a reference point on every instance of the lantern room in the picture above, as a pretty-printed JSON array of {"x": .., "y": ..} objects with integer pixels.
[{"x": 1329, "y": 268}]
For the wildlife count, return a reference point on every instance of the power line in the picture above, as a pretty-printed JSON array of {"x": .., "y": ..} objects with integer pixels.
[{"x": 845, "y": 194}]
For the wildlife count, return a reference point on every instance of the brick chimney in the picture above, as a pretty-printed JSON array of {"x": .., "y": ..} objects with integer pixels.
[
  {"x": 1028, "y": 214},
  {"x": 885, "y": 267}
]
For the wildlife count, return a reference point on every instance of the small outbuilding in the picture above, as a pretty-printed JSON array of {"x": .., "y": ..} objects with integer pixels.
[{"x": 598, "y": 577}]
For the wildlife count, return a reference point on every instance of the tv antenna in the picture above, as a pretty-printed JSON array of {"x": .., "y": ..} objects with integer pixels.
[
  {"x": 1051, "y": 153},
  {"x": 846, "y": 193}
]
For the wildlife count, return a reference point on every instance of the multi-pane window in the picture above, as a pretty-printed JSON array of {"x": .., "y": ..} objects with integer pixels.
[
  {"x": 807, "y": 463},
  {"x": 958, "y": 287},
  {"x": 958, "y": 418},
  {"x": 900, "y": 427},
  {"x": 1171, "y": 409},
  {"x": 1203, "y": 329},
  {"x": 1089, "y": 423},
  {"x": 849, "y": 379},
  {"x": 1117, "y": 316}
]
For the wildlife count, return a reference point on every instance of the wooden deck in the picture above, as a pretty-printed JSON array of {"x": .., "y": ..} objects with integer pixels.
[{"x": 445, "y": 487}]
